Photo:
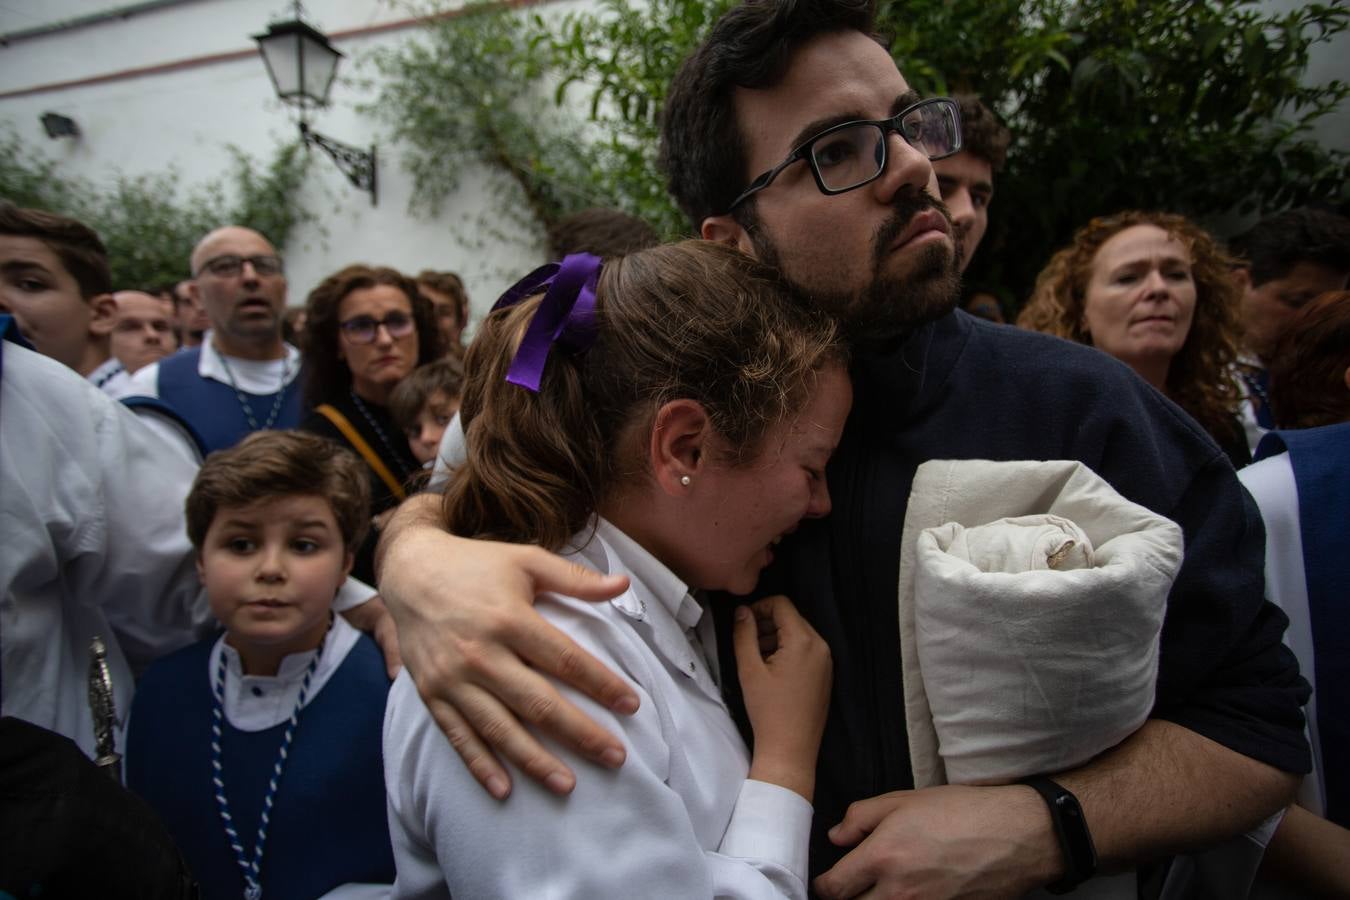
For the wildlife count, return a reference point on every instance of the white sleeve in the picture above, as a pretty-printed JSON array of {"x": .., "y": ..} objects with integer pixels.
[
  {"x": 1271, "y": 484},
  {"x": 145, "y": 575},
  {"x": 453, "y": 451},
  {"x": 622, "y": 832},
  {"x": 95, "y": 543}
]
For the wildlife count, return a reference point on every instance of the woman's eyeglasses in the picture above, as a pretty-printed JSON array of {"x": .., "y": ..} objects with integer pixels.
[{"x": 362, "y": 329}]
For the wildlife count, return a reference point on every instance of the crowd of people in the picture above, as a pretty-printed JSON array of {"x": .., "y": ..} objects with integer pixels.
[{"x": 746, "y": 565}]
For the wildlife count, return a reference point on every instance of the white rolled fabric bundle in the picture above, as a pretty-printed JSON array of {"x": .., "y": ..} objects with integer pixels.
[{"x": 1032, "y": 600}]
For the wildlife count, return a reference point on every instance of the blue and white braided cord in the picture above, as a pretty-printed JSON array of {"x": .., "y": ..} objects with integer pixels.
[{"x": 251, "y": 870}]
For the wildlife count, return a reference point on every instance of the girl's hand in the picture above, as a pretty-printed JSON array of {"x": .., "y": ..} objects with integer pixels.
[{"x": 785, "y": 669}]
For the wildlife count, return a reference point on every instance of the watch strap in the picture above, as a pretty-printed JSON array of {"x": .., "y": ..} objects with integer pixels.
[{"x": 1075, "y": 841}]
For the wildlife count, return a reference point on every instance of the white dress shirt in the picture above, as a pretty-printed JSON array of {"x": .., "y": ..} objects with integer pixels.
[
  {"x": 111, "y": 377},
  {"x": 253, "y": 376},
  {"x": 678, "y": 819},
  {"x": 260, "y": 702},
  {"x": 94, "y": 545}
]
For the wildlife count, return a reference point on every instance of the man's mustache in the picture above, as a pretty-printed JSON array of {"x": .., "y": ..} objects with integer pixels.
[{"x": 904, "y": 208}]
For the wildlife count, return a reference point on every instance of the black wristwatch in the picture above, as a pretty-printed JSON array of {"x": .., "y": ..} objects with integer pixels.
[{"x": 1080, "y": 857}]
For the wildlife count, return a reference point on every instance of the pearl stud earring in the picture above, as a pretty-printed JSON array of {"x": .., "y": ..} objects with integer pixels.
[{"x": 684, "y": 480}]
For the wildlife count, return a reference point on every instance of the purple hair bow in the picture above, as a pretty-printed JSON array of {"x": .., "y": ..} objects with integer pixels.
[{"x": 565, "y": 316}]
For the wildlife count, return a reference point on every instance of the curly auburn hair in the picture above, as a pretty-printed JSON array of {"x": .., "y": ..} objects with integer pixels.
[
  {"x": 695, "y": 320},
  {"x": 1200, "y": 378},
  {"x": 327, "y": 377}
]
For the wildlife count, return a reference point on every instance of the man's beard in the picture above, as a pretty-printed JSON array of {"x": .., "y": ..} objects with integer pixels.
[{"x": 889, "y": 306}]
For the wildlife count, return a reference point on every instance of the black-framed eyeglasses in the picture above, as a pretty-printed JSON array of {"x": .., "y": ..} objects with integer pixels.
[
  {"x": 852, "y": 154},
  {"x": 230, "y": 265},
  {"x": 362, "y": 329}
]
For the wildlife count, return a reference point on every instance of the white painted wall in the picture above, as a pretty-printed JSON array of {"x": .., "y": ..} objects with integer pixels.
[{"x": 183, "y": 120}]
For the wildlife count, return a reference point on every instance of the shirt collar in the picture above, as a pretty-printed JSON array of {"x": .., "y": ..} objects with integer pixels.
[
  {"x": 258, "y": 702},
  {"x": 110, "y": 369},
  {"x": 676, "y": 626},
  {"x": 254, "y": 376}
]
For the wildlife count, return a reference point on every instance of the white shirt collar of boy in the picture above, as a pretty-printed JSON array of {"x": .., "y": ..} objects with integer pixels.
[
  {"x": 110, "y": 376},
  {"x": 259, "y": 702},
  {"x": 678, "y": 628},
  {"x": 253, "y": 376}
]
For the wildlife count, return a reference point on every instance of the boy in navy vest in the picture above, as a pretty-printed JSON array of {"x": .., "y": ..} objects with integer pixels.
[{"x": 260, "y": 749}]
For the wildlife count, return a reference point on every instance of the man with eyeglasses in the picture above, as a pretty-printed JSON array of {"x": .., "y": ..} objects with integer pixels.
[
  {"x": 243, "y": 377},
  {"x": 791, "y": 134}
]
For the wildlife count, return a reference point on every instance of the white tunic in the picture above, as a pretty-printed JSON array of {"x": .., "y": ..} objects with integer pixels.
[
  {"x": 91, "y": 512},
  {"x": 678, "y": 819}
]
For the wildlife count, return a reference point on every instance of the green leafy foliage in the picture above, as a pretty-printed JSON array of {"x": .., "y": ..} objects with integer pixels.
[
  {"x": 1194, "y": 107},
  {"x": 148, "y": 223},
  {"x": 467, "y": 96}
]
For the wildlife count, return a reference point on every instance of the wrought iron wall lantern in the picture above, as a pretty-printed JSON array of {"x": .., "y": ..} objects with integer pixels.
[
  {"x": 302, "y": 65},
  {"x": 59, "y": 126}
]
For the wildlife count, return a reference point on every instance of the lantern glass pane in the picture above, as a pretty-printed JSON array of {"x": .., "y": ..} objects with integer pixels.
[{"x": 320, "y": 67}]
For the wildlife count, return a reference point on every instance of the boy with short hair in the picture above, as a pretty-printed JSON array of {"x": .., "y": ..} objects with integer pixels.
[
  {"x": 260, "y": 749},
  {"x": 55, "y": 280},
  {"x": 424, "y": 402}
]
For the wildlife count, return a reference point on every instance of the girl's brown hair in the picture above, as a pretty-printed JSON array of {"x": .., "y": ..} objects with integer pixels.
[
  {"x": 694, "y": 320},
  {"x": 1200, "y": 378},
  {"x": 327, "y": 377},
  {"x": 1307, "y": 370}
]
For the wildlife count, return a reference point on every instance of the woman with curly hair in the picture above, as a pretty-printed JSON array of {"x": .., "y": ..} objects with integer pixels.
[
  {"x": 1154, "y": 290},
  {"x": 366, "y": 328}
]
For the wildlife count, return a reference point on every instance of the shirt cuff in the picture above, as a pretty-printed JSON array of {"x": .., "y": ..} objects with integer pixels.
[{"x": 770, "y": 823}]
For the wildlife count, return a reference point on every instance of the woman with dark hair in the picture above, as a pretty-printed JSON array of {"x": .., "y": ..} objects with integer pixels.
[
  {"x": 1155, "y": 291},
  {"x": 366, "y": 328}
]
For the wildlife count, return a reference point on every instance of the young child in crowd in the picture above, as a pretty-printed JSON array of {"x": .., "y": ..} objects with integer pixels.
[
  {"x": 261, "y": 749},
  {"x": 668, "y": 418},
  {"x": 424, "y": 402}
]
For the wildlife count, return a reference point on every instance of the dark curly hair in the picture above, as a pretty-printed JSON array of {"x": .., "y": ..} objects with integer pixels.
[
  {"x": 1200, "y": 378},
  {"x": 982, "y": 134},
  {"x": 1274, "y": 245},
  {"x": 327, "y": 377}
]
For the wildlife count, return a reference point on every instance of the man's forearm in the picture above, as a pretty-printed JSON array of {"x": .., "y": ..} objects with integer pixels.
[
  {"x": 417, "y": 510},
  {"x": 1167, "y": 790}
]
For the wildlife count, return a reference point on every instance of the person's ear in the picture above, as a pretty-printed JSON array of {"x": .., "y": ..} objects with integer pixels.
[
  {"x": 102, "y": 315},
  {"x": 347, "y": 562},
  {"x": 201, "y": 569},
  {"x": 726, "y": 230},
  {"x": 194, "y": 294},
  {"x": 1242, "y": 277},
  {"x": 1347, "y": 378},
  {"x": 678, "y": 447}
]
